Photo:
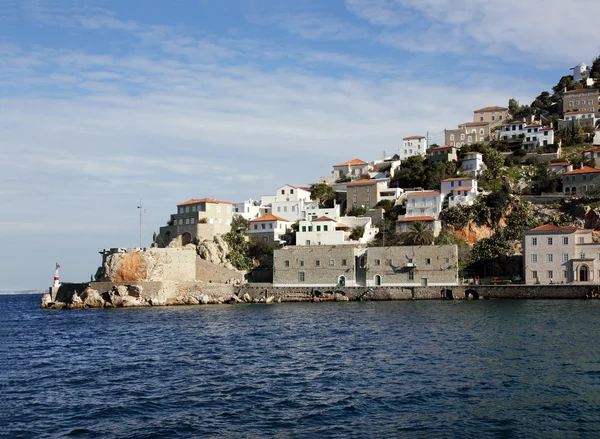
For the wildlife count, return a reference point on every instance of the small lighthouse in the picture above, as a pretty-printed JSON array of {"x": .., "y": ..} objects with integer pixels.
[{"x": 56, "y": 278}]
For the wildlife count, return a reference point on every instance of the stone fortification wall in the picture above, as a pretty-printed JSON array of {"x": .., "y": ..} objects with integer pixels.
[{"x": 149, "y": 264}]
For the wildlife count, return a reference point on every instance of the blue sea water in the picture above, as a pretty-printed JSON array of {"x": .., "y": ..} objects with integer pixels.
[{"x": 434, "y": 369}]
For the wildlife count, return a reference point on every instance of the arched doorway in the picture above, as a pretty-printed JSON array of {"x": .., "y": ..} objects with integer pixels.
[
  {"x": 583, "y": 273},
  {"x": 471, "y": 295},
  {"x": 377, "y": 280},
  {"x": 567, "y": 191},
  {"x": 186, "y": 238},
  {"x": 573, "y": 191},
  {"x": 342, "y": 281}
]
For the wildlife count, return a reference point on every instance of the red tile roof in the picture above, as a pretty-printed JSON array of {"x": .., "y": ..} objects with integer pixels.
[
  {"x": 415, "y": 218},
  {"x": 443, "y": 147},
  {"x": 418, "y": 194},
  {"x": 323, "y": 218},
  {"x": 362, "y": 182},
  {"x": 473, "y": 123},
  {"x": 413, "y": 137},
  {"x": 584, "y": 170},
  {"x": 268, "y": 218},
  {"x": 466, "y": 188},
  {"x": 490, "y": 109},
  {"x": 583, "y": 90},
  {"x": 458, "y": 179},
  {"x": 560, "y": 164},
  {"x": 553, "y": 228},
  {"x": 203, "y": 200},
  {"x": 353, "y": 162}
]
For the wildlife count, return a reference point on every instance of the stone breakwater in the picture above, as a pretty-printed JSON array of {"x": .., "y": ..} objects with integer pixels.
[{"x": 166, "y": 293}]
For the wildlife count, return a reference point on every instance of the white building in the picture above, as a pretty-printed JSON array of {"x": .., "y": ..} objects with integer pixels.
[
  {"x": 352, "y": 169},
  {"x": 271, "y": 228},
  {"x": 579, "y": 115},
  {"x": 326, "y": 231},
  {"x": 560, "y": 167},
  {"x": 424, "y": 203},
  {"x": 250, "y": 209},
  {"x": 533, "y": 134},
  {"x": 472, "y": 163},
  {"x": 289, "y": 202},
  {"x": 312, "y": 211},
  {"x": 459, "y": 191},
  {"x": 413, "y": 145},
  {"x": 582, "y": 72}
]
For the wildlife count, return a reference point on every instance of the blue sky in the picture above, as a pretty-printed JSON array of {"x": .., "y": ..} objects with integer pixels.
[{"x": 104, "y": 102}]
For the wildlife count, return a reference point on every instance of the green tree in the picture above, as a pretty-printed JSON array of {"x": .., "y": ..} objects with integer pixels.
[
  {"x": 418, "y": 234},
  {"x": 491, "y": 248},
  {"x": 239, "y": 223},
  {"x": 357, "y": 233},
  {"x": 494, "y": 161},
  {"x": 545, "y": 180},
  {"x": 356, "y": 211},
  {"x": 411, "y": 173},
  {"x": 323, "y": 193}
]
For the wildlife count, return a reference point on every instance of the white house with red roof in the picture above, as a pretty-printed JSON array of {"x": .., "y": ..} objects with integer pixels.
[
  {"x": 533, "y": 134},
  {"x": 352, "y": 169},
  {"x": 327, "y": 231},
  {"x": 422, "y": 206},
  {"x": 582, "y": 180},
  {"x": 270, "y": 228},
  {"x": 460, "y": 191},
  {"x": 413, "y": 145},
  {"x": 560, "y": 255},
  {"x": 580, "y": 115},
  {"x": 560, "y": 167}
]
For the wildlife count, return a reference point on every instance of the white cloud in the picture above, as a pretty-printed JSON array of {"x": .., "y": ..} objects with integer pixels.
[
  {"x": 314, "y": 27},
  {"x": 538, "y": 30}
]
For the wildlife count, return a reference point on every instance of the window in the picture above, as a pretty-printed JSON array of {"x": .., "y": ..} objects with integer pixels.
[
  {"x": 462, "y": 137},
  {"x": 549, "y": 241},
  {"x": 317, "y": 263},
  {"x": 301, "y": 276},
  {"x": 493, "y": 117},
  {"x": 566, "y": 257},
  {"x": 481, "y": 119},
  {"x": 318, "y": 228},
  {"x": 469, "y": 139},
  {"x": 427, "y": 261},
  {"x": 304, "y": 228},
  {"x": 581, "y": 241},
  {"x": 324, "y": 228},
  {"x": 377, "y": 261},
  {"x": 255, "y": 226},
  {"x": 533, "y": 241},
  {"x": 411, "y": 275},
  {"x": 286, "y": 263},
  {"x": 344, "y": 262},
  {"x": 302, "y": 263},
  {"x": 291, "y": 191},
  {"x": 278, "y": 208},
  {"x": 332, "y": 263},
  {"x": 270, "y": 225},
  {"x": 534, "y": 274},
  {"x": 285, "y": 208},
  {"x": 564, "y": 274},
  {"x": 481, "y": 132},
  {"x": 282, "y": 191},
  {"x": 534, "y": 258},
  {"x": 310, "y": 228},
  {"x": 550, "y": 274},
  {"x": 549, "y": 257},
  {"x": 452, "y": 137},
  {"x": 565, "y": 240}
]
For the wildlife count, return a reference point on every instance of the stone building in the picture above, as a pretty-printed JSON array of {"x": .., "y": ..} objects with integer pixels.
[
  {"x": 580, "y": 181},
  {"x": 492, "y": 115},
  {"x": 584, "y": 99},
  {"x": 554, "y": 255},
  {"x": 350, "y": 265},
  {"x": 365, "y": 193},
  {"x": 409, "y": 266},
  {"x": 444, "y": 153},
  {"x": 317, "y": 266},
  {"x": 197, "y": 219}
]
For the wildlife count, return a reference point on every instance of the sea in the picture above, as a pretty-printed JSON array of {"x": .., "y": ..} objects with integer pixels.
[{"x": 405, "y": 369}]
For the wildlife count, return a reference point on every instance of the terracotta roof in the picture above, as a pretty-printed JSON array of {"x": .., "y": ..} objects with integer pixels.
[
  {"x": 490, "y": 109},
  {"x": 583, "y": 90},
  {"x": 473, "y": 123},
  {"x": 443, "y": 147},
  {"x": 458, "y": 179},
  {"x": 584, "y": 170},
  {"x": 560, "y": 164},
  {"x": 467, "y": 188},
  {"x": 553, "y": 228},
  {"x": 203, "y": 200},
  {"x": 361, "y": 182},
  {"x": 353, "y": 162},
  {"x": 268, "y": 218},
  {"x": 413, "y": 137},
  {"x": 295, "y": 187},
  {"x": 342, "y": 226},
  {"x": 418, "y": 194},
  {"x": 323, "y": 218},
  {"x": 415, "y": 218}
]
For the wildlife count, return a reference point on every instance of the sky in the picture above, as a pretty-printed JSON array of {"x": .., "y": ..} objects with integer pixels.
[{"x": 106, "y": 102}]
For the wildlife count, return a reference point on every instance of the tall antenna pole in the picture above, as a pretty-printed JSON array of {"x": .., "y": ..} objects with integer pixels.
[{"x": 141, "y": 208}]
